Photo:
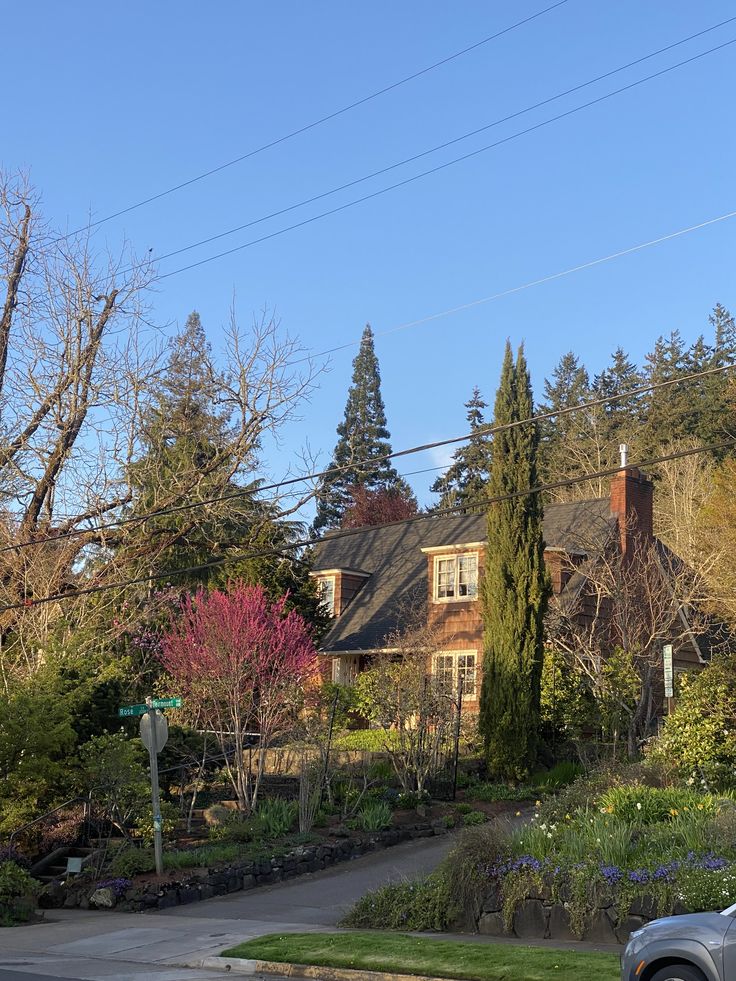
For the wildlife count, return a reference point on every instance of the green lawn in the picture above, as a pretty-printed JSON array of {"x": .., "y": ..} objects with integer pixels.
[{"x": 401, "y": 954}]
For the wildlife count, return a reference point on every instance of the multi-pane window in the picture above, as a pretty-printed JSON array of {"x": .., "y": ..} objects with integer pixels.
[
  {"x": 456, "y": 577},
  {"x": 450, "y": 669},
  {"x": 326, "y": 588}
]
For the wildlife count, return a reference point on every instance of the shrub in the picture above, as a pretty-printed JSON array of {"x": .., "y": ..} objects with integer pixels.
[
  {"x": 465, "y": 867},
  {"x": 473, "y": 818},
  {"x": 489, "y": 792},
  {"x": 463, "y": 808},
  {"x": 374, "y": 816},
  {"x": 561, "y": 775},
  {"x": 237, "y": 828},
  {"x": 703, "y": 889},
  {"x": 132, "y": 861},
  {"x": 421, "y": 905},
  {"x": 216, "y": 815},
  {"x": 699, "y": 737},
  {"x": 410, "y": 800},
  {"x": 275, "y": 817},
  {"x": 366, "y": 740},
  {"x": 18, "y": 892}
]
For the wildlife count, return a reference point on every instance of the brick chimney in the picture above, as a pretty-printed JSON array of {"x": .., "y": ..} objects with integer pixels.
[{"x": 632, "y": 502}]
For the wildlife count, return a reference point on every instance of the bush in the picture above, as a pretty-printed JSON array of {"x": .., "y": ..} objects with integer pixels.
[
  {"x": 699, "y": 738},
  {"x": 132, "y": 861},
  {"x": 561, "y": 775},
  {"x": 366, "y": 740},
  {"x": 465, "y": 867},
  {"x": 473, "y": 818},
  {"x": 463, "y": 808},
  {"x": 374, "y": 816},
  {"x": 489, "y": 792},
  {"x": 704, "y": 889},
  {"x": 410, "y": 800},
  {"x": 236, "y": 827},
  {"x": 276, "y": 817},
  {"x": 421, "y": 905},
  {"x": 18, "y": 892}
]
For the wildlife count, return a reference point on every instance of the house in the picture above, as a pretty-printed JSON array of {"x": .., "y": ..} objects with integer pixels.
[{"x": 432, "y": 564}]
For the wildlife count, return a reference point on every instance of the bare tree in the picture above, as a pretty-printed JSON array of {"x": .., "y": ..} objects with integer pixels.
[
  {"x": 413, "y": 707},
  {"x": 627, "y": 607},
  {"x": 80, "y": 366}
]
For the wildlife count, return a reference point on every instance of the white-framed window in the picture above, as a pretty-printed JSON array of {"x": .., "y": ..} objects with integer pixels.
[
  {"x": 456, "y": 577},
  {"x": 326, "y": 590},
  {"x": 451, "y": 666}
]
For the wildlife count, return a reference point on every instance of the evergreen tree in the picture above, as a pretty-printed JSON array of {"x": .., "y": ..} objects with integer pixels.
[
  {"x": 515, "y": 588},
  {"x": 715, "y": 419},
  {"x": 465, "y": 482},
  {"x": 188, "y": 456},
  {"x": 620, "y": 421},
  {"x": 668, "y": 411},
  {"x": 564, "y": 437},
  {"x": 362, "y": 440}
]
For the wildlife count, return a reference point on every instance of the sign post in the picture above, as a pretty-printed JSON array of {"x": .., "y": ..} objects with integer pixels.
[
  {"x": 669, "y": 677},
  {"x": 154, "y": 731}
]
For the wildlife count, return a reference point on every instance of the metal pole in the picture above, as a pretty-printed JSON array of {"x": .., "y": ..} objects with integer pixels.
[
  {"x": 155, "y": 801},
  {"x": 457, "y": 736}
]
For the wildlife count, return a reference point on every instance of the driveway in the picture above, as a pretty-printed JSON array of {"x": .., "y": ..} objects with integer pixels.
[{"x": 133, "y": 947}]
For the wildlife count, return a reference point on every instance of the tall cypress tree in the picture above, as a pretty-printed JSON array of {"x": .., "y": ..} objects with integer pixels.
[
  {"x": 516, "y": 586},
  {"x": 362, "y": 440},
  {"x": 465, "y": 482}
]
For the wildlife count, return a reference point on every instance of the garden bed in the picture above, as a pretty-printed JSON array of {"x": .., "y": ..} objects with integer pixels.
[{"x": 148, "y": 891}]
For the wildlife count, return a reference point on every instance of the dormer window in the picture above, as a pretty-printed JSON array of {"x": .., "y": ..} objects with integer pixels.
[
  {"x": 326, "y": 590},
  {"x": 456, "y": 577}
]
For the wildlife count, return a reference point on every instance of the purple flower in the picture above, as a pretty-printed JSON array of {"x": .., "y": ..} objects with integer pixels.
[
  {"x": 612, "y": 874},
  {"x": 640, "y": 876},
  {"x": 118, "y": 886}
]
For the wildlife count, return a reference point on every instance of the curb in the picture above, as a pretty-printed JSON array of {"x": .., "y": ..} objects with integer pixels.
[{"x": 242, "y": 965}]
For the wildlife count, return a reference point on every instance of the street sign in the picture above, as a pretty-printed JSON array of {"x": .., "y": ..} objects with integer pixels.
[
  {"x": 150, "y": 722},
  {"x": 166, "y": 703},
  {"x": 127, "y": 710},
  {"x": 669, "y": 687}
]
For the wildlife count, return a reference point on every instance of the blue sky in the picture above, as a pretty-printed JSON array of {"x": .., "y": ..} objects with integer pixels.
[{"x": 115, "y": 102}]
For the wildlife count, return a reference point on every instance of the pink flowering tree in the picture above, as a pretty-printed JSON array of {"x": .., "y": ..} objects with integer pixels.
[{"x": 243, "y": 664}]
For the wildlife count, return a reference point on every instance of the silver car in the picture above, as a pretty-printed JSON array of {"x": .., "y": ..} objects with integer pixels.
[{"x": 695, "y": 947}]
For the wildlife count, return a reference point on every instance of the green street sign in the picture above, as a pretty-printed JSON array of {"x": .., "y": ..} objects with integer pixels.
[
  {"x": 127, "y": 710},
  {"x": 166, "y": 703}
]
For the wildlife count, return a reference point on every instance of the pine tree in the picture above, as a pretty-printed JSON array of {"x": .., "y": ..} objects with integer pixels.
[
  {"x": 515, "y": 588},
  {"x": 465, "y": 482},
  {"x": 619, "y": 421},
  {"x": 363, "y": 440}
]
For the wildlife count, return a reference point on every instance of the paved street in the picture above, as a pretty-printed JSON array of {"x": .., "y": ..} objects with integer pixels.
[{"x": 113, "y": 946}]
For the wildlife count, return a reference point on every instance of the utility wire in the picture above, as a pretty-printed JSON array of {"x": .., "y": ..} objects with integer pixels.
[
  {"x": 524, "y": 286},
  {"x": 443, "y": 146},
  {"x": 482, "y": 432},
  {"x": 443, "y": 166},
  {"x": 316, "y": 122},
  {"x": 349, "y": 532}
]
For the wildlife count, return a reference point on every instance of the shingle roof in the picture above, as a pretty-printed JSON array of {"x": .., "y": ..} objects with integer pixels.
[{"x": 398, "y": 568}]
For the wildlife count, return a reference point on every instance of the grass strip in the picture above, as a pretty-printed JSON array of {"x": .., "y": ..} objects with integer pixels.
[{"x": 402, "y": 954}]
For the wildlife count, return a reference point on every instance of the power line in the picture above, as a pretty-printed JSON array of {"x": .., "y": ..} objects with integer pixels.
[
  {"x": 448, "y": 143},
  {"x": 482, "y": 432},
  {"x": 348, "y": 532},
  {"x": 443, "y": 166},
  {"x": 317, "y": 122},
  {"x": 525, "y": 286}
]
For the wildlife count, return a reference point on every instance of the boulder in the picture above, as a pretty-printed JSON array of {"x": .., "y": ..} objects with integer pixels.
[
  {"x": 530, "y": 919},
  {"x": 600, "y": 929},
  {"x": 104, "y": 898}
]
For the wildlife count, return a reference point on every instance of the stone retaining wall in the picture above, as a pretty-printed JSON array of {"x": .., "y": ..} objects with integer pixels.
[
  {"x": 539, "y": 917},
  {"x": 238, "y": 876}
]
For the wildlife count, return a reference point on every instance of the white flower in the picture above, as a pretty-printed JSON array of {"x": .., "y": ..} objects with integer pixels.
[{"x": 638, "y": 807}]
